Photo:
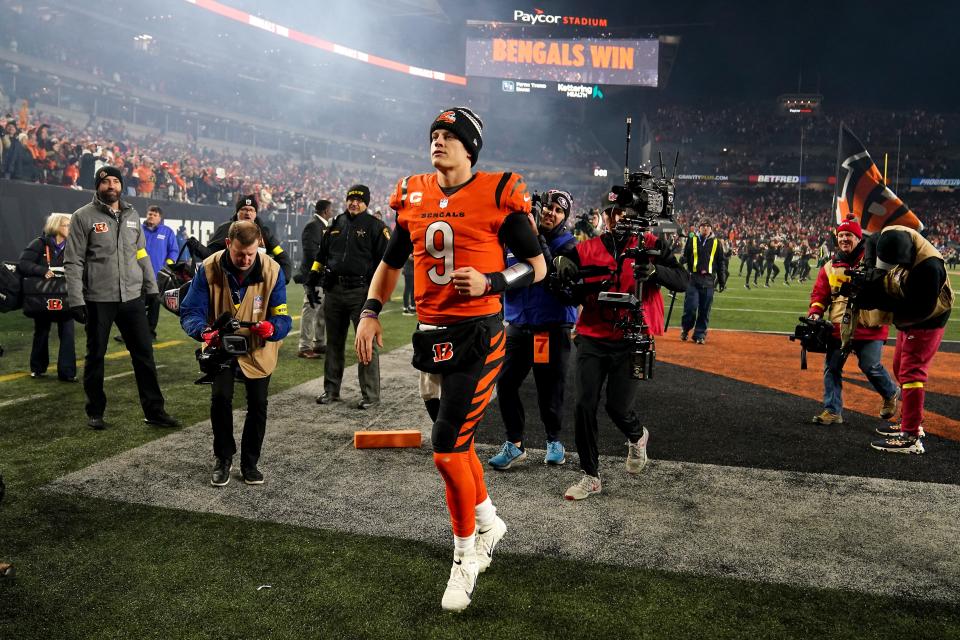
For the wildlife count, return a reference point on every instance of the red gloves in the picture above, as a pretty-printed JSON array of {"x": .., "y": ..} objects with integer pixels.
[
  {"x": 263, "y": 329},
  {"x": 211, "y": 337}
]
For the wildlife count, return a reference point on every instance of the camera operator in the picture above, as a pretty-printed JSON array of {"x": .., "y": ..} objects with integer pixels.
[
  {"x": 910, "y": 279},
  {"x": 240, "y": 282},
  {"x": 589, "y": 225},
  {"x": 247, "y": 209},
  {"x": 538, "y": 337},
  {"x": 603, "y": 354},
  {"x": 705, "y": 259},
  {"x": 312, "y": 323},
  {"x": 868, "y": 336}
]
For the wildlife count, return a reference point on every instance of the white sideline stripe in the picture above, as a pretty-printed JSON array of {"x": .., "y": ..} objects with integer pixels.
[
  {"x": 128, "y": 373},
  {"x": 753, "y": 524},
  {"x": 36, "y": 396}
]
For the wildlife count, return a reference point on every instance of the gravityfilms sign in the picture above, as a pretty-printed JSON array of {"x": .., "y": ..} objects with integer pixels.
[
  {"x": 539, "y": 17},
  {"x": 587, "y": 60}
]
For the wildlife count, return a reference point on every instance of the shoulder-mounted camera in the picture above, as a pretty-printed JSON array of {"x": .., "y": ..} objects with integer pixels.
[
  {"x": 213, "y": 360},
  {"x": 814, "y": 336}
]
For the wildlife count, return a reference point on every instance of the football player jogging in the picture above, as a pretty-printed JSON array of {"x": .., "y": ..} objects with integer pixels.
[{"x": 456, "y": 224}]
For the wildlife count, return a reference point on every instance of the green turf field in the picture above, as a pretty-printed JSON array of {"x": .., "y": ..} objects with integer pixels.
[{"x": 98, "y": 569}]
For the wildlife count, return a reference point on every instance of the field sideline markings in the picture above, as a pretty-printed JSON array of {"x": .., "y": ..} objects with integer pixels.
[{"x": 36, "y": 396}]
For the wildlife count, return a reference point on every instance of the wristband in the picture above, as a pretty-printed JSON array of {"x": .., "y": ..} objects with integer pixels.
[
  {"x": 372, "y": 304},
  {"x": 368, "y": 313}
]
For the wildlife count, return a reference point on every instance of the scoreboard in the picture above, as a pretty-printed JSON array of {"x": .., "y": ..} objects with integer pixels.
[{"x": 581, "y": 60}]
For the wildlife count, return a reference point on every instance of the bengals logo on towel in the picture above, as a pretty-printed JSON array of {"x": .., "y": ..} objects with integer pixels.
[{"x": 442, "y": 351}]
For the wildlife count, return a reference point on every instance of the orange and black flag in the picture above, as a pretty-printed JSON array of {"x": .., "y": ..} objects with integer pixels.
[{"x": 862, "y": 191}]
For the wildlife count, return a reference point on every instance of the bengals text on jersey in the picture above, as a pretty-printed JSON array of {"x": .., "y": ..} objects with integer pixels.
[{"x": 450, "y": 232}]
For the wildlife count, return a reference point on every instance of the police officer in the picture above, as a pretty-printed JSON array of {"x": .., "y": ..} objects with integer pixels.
[
  {"x": 247, "y": 209},
  {"x": 706, "y": 261},
  {"x": 350, "y": 252},
  {"x": 247, "y": 285},
  {"x": 312, "y": 323},
  {"x": 108, "y": 276},
  {"x": 538, "y": 337}
]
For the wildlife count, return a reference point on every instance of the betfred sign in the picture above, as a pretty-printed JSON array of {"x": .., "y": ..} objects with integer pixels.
[
  {"x": 779, "y": 179},
  {"x": 539, "y": 17}
]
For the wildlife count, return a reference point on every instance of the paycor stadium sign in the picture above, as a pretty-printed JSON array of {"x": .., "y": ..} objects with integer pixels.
[{"x": 539, "y": 17}]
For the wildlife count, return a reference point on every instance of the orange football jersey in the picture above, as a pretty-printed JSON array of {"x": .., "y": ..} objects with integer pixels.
[{"x": 450, "y": 232}]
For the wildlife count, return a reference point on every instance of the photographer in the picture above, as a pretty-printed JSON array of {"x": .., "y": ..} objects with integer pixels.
[
  {"x": 868, "y": 337},
  {"x": 247, "y": 209},
  {"x": 538, "y": 337},
  {"x": 910, "y": 279},
  {"x": 603, "y": 354},
  {"x": 705, "y": 260},
  {"x": 240, "y": 282},
  {"x": 589, "y": 225}
]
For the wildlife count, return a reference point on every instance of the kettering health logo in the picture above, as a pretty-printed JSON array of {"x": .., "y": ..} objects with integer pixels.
[
  {"x": 580, "y": 91},
  {"x": 540, "y": 17}
]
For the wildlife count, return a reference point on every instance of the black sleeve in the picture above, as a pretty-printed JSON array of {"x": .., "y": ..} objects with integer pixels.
[
  {"x": 30, "y": 259},
  {"x": 670, "y": 273},
  {"x": 922, "y": 288},
  {"x": 282, "y": 258},
  {"x": 218, "y": 241},
  {"x": 310, "y": 241},
  {"x": 517, "y": 235},
  {"x": 398, "y": 249}
]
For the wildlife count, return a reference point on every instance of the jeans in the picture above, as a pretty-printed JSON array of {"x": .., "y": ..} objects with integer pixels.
[
  {"x": 696, "y": 305},
  {"x": 868, "y": 356}
]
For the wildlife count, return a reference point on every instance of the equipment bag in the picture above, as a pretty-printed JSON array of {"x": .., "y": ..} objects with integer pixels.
[
  {"x": 44, "y": 296},
  {"x": 450, "y": 349},
  {"x": 173, "y": 280},
  {"x": 11, "y": 287}
]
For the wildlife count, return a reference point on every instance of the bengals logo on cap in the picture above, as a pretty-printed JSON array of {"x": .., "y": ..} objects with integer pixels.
[{"x": 449, "y": 117}]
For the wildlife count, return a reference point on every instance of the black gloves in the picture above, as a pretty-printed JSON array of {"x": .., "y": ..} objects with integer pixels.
[
  {"x": 721, "y": 286},
  {"x": 314, "y": 280},
  {"x": 643, "y": 272},
  {"x": 298, "y": 278},
  {"x": 566, "y": 269},
  {"x": 313, "y": 296},
  {"x": 79, "y": 314},
  {"x": 152, "y": 298}
]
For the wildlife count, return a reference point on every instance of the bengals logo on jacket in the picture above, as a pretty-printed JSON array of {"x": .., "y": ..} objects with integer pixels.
[{"x": 459, "y": 232}]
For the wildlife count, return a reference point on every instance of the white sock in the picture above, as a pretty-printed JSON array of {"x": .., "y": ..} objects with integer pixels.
[
  {"x": 485, "y": 513},
  {"x": 463, "y": 545}
]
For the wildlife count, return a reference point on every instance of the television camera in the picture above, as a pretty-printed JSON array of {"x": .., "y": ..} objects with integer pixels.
[
  {"x": 646, "y": 201},
  {"x": 215, "y": 359}
]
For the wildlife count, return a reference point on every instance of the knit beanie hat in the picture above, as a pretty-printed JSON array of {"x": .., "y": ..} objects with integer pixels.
[
  {"x": 852, "y": 225},
  {"x": 361, "y": 191},
  {"x": 466, "y": 125},
  {"x": 105, "y": 171},
  {"x": 247, "y": 201},
  {"x": 562, "y": 198}
]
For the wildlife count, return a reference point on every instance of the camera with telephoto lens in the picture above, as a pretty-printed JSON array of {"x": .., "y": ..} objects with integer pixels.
[
  {"x": 647, "y": 201},
  {"x": 213, "y": 360}
]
